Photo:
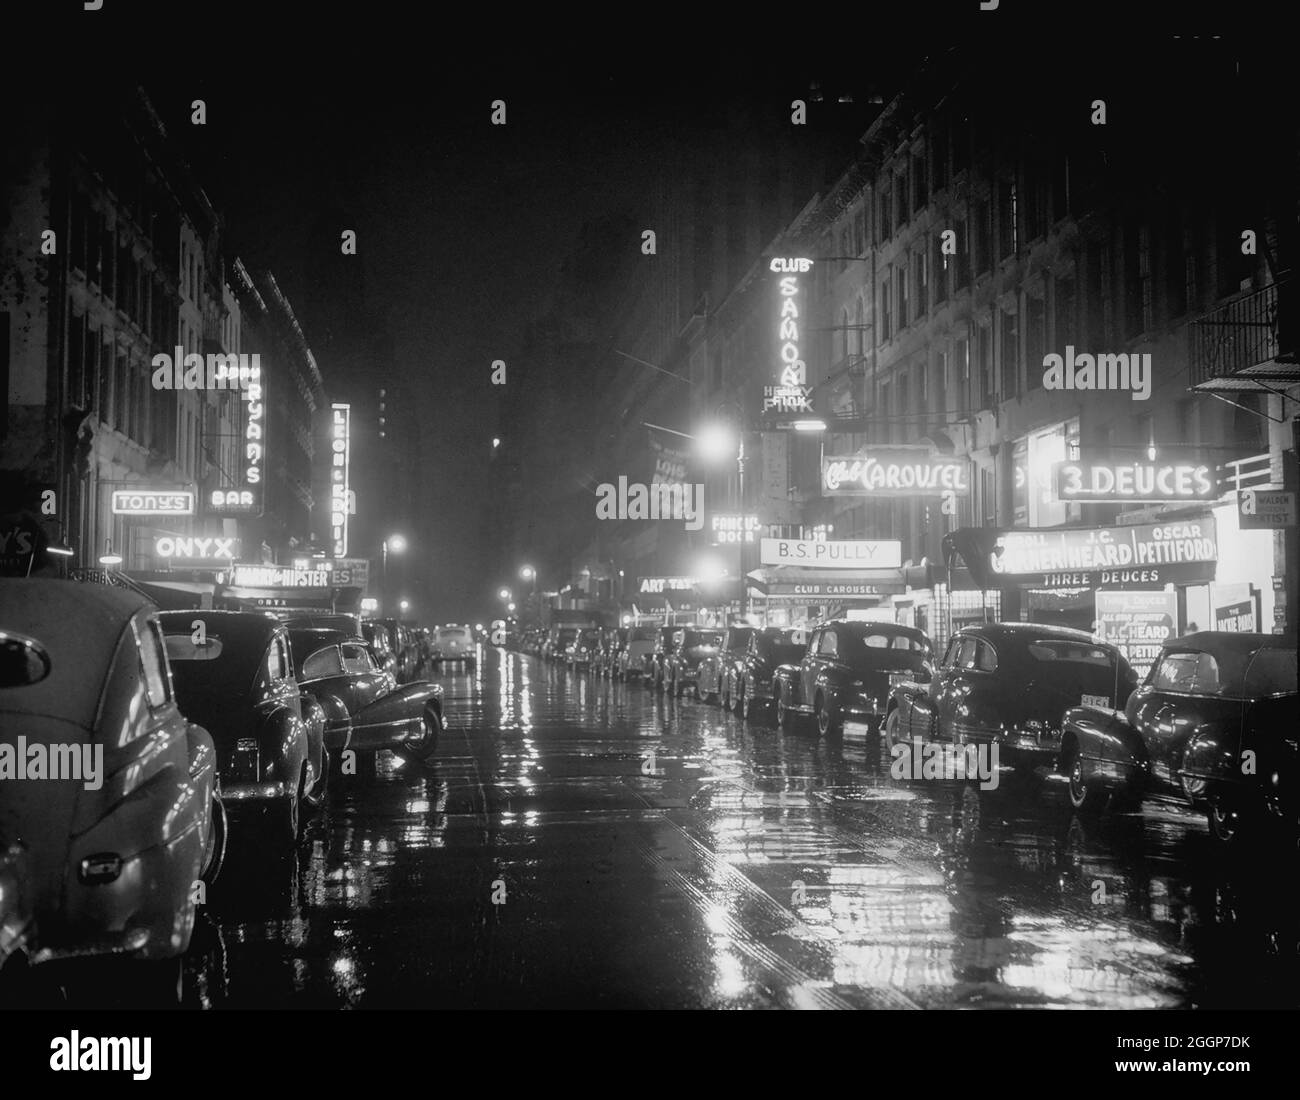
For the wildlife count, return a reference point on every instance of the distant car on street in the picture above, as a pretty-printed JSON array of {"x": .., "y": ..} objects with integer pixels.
[
  {"x": 1213, "y": 701},
  {"x": 454, "y": 643},
  {"x": 690, "y": 647},
  {"x": 633, "y": 658}
]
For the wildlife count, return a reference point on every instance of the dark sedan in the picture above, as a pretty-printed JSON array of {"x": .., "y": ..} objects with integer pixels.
[
  {"x": 1214, "y": 725},
  {"x": 847, "y": 672},
  {"x": 769, "y": 648},
  {"x": 365, "y": 709},
  {"x": 690, "y": 648},
  {"x": 718, "y": 670},
  {"x": 1009, "y": 685},
  {"x": 234, "y": 675}
]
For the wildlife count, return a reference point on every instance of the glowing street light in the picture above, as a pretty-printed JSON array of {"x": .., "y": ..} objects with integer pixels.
[
  {"x": 504, "y": 594},
  {"x": 510, "y": 607},
  {"x": 716, "y": 442},
  {"x": 405, "y": 605},
  {"x": 528, "y": 573}
]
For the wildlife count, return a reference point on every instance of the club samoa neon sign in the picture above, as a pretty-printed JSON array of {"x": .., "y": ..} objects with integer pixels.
[{"x": 792, "y": 393}]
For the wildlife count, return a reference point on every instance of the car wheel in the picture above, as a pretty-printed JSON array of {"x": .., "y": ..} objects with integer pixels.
[
  {"x": 220, "y": 831},
  {"x": 1085, "y": 797},
  {"x": 784, "y": 715},
  {"x": 286, "y": 821},
  {"x": 891, "y": 731},
  {"x": 1224, "y": 821},
  {"x": 828, "y": 720},
  {"x": 745, "y": 704},
  {"x": 315, "y": 798}
]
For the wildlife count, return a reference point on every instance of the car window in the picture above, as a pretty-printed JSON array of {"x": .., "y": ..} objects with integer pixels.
[
  {"x": 153, "y": 657},
  {"x": 1177, "y": 672},
  {"x": 950, "y": 655},
  {"x": 182, "y": 647},
  {"x": 356, "y": 659},
  {"x": 1272, "y": 672},
  {"x": 277, "y": 661},
  {"x": 986, "y": 658},
  {"x": 828, "y": 644},
  {"x": 324, "y": 662},
  {"x": 966, "y": 656}
]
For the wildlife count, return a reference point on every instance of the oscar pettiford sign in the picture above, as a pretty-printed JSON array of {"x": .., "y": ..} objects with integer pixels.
[{"x": 894, "y": 472}]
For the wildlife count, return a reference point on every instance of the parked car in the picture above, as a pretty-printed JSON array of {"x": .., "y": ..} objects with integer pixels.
[
  {"x": 365, "y": 709},
  {"x": 454, "y": 643},
  {"x": 1010, "y": 685},
  {"x": 755, "y": 688},
  {"x": 102, "y": 863},
  {"x": 633, "y": 659},
  {"x": 1213, "y": 702},
  {"x": 846, "y": 672},
  {"x": 579, "y": 652},
  {"x": 656, "y": 663},
  {"x": 236, "y": 677},
  {"x": 682, "y": 664},
  {"x": 381, "y": 646},
  {"x": 613, "y": 642},
  {"x": 558, "y": 641},
  {"x": 717, "y": 674}
]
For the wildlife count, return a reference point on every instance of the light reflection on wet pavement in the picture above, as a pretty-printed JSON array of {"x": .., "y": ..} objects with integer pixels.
[{"x": 582, "y": 843}]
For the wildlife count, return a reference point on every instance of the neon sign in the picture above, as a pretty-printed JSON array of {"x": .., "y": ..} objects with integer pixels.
[
  {"x": 792, "y": 392},
  {"x": 340, "y": 454},
  {"x": 152, "y": 502},
  {"x": 893, "y": 473},
  {"x": 1134, "y": 481}
]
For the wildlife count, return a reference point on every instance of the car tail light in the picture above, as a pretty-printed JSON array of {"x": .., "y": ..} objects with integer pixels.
[
  {"x": 101, "y": 868},
  {"x": 244, "y": 762}
]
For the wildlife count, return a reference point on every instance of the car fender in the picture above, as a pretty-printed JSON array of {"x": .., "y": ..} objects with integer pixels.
[
  {"x": 1106, "y": 740},
  {"x": 785, "y": 682},
  {"x": 283, "y": 738},
  {"x": 401, "y": 710}
]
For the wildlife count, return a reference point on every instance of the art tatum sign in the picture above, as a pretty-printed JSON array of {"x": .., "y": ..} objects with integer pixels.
[
  {"x": 894, "y": 472},
  {"x": 792, "y": 394}
]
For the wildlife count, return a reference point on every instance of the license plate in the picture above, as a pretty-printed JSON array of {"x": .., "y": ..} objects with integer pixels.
[
  {"x": 1096, "y": 700},
  {"x": 856, "y": 729}
]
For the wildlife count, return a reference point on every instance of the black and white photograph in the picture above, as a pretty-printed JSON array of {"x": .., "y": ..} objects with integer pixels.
[{"x": 646, "y": 510}]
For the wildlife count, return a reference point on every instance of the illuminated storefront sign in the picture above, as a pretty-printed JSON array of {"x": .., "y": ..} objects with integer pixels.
[
  {"x": 153, "y": 502},
  {"x": 652, "y": 585},
  {"x": 1102, "y": 481},
  {"x": 1137, "y": 624},
  {"x": 1182, "y": 552},
  {"x": 352, "y": 572},
  {"x": 340, "y": 456},
  {"x": 820, "y": 590},
  {"x": 894, "y": 472},
  {"x": 246, "y": 498},
  {"x": 277, "y": 576},
  {"x": 734, "y": 528},
  {"x": 792, "y": 392},
  {"x": 843, "y": 554},
  {"x": 1259, "y": 508},
  {"x": 198, "y": 550}
]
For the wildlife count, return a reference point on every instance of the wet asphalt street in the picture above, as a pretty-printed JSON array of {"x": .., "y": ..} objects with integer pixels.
[{"x": 582, "y": 843}]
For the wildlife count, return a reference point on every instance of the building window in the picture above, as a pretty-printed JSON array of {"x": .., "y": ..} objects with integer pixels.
[
  {"x": 919, "y": 189},
  {"x": 860, "y": 232},
  {"x": 1064, "y": 307},
  {"x": 983, "y": 245},
  {"x": 1008, "y": 241},
  {"x": 961, "y": 261},
  {"x": 984, "y": 363},
  {"x": 122, "y": 396},
  {"x": 886, "y": 212},
  {"x": 1010, "y": 353},
  {"x": 900, "y": 203},
  {"x": 900, "y": 280},
  {"x": 886, "y": 327},
  {"x": 1035, "y": 340},
  {"x": 920, "y": 266},
  {"x": 940, "y": 268},
  {"x": 846, "y": 248},
  {"x": 961, "y": 367}
]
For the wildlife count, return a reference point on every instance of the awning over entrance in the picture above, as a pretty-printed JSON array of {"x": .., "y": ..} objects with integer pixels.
[{"x": 824, "y": 585}]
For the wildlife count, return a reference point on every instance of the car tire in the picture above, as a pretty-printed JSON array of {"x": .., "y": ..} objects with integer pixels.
[
  {"x": 891, "y": 732},
  {"x": 1225, "y": 822},
  {"x": 220, "y": 834},
  {"x": 286, "y": 821},
  {"x": 1083, "y": 797},
  {"x": 828, "y": 720},
  {"x": 745, "y": 704},
  {"x": 784, "y": 715},
  {"x": 315, "y": 799}
]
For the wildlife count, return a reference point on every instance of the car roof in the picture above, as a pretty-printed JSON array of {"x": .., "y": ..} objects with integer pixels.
[
  {"x": 1028, "y": 632},
  {"x": 1209, "y": 641},
  {"x": 878, "y": 627},
  {"x": 79, "y": 626}
]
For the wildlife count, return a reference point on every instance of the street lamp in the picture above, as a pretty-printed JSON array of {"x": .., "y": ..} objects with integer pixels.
[
  {"x": 504, "y": 594},
  {"x": 716, "y": 442},
  {"x": 405, "y": 605},
  {"x": 397, "y": 544}
]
